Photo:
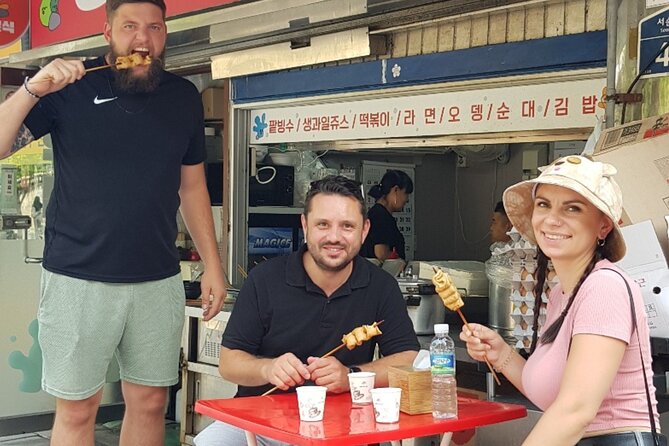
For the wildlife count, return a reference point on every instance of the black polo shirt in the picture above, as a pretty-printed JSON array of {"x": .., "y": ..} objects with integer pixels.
[{"x": 279, "y": 310}]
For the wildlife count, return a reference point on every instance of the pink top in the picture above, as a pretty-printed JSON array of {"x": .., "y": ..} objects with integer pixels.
[{"x": 601, "y": 307}]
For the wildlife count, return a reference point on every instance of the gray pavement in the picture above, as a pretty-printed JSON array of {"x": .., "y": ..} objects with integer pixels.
[{"x": 106, "y": 434}]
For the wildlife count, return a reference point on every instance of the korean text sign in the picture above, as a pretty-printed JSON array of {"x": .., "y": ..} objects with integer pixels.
[
  {"x": 14, "y": 19},
  {"x": 561, "y": 105}
]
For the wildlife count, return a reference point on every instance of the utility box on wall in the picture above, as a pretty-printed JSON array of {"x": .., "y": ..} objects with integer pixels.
[{"x": 215, "y": 102}]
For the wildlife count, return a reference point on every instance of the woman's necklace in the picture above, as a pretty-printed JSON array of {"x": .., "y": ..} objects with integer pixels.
[{"x": 117, "y": 102}]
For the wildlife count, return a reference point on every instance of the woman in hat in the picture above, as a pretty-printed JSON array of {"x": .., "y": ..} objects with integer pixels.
[{"x": 585, "y": 367}]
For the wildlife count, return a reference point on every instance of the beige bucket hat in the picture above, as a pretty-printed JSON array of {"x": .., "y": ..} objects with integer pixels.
[{"x": 592, "y": 179}]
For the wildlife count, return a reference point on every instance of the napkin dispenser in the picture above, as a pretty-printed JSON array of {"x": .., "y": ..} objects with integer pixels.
[{"x": 416, "y": 384}]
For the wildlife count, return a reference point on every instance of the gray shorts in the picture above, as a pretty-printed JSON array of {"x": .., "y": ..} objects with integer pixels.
[{"x": 83, "y": 324}]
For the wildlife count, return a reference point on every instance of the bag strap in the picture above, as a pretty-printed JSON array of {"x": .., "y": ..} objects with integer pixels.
[{"x": 653, "y": 427}]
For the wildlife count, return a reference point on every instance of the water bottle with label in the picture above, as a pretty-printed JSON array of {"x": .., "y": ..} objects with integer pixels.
[{"x": 442, "y": 360}]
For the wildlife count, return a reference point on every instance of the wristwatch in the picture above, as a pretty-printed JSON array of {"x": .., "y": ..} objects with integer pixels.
[{"x": 354, "y": 369}]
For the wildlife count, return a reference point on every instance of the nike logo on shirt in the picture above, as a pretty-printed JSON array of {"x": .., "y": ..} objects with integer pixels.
[{"x": 98, "y": 101}]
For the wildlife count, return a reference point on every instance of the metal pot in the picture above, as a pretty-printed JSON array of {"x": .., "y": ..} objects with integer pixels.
[
  {"x": 499, "y": 309},
  {"x": 424, "y": 305}
]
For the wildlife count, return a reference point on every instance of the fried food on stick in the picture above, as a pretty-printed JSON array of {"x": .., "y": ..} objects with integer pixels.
[
  {"x": 447, "y": 291},
  {"x": 132, "y": 60},
  {"x": 122, "y": 63},
  {"x": 360, "y": 335},
  {"x": 453, "y": 301}
]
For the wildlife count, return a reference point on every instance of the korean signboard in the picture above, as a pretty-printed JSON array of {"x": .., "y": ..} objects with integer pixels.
[
  {"x": 14, "y": 19},
  {"x": 61, "y": 20},
  {"x": 654, "y": 44},
  {"x": 559, "y": 105}
]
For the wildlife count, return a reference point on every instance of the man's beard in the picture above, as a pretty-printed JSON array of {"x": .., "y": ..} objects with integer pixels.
[
  {"x": 125, "y": 81},
  {"x": 321, "y": 261}
]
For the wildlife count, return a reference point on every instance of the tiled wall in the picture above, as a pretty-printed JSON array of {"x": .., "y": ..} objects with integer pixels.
[{"x": 514, "y": 24}]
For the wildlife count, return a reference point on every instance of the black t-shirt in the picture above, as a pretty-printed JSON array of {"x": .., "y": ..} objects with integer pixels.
[
  {"x": 279, "y": 310},
  {"x": 383, "y": 231},
  {"x": 117, "y": 162}
]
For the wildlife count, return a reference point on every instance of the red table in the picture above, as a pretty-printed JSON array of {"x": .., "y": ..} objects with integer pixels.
[{"x": 277, "y": 417}]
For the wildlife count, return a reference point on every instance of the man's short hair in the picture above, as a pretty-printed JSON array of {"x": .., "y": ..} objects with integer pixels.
[
  {"x": 113, "y": 5},
  {"x": 499, "y": 207},
  {"x": 336, "y": 185}
]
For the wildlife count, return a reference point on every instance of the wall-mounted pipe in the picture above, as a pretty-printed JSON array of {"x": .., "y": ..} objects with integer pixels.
[{"x": 611, "y": 37}]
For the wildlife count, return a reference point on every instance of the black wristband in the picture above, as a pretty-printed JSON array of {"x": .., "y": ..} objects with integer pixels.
[
  {"x": 354, "y": 369},
  {"x": 25, "y": 85}
]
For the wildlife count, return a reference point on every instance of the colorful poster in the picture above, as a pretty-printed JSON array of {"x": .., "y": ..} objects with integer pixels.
[
  {"x": 14, "y": 19},
  {"x": 62, "y": 20},
  {"x": 10, "y": 49}
]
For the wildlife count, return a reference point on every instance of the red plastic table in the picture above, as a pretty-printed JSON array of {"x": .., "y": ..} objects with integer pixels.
[{"x": 277, "y": 417}]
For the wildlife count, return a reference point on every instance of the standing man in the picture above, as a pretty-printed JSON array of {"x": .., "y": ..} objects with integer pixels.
[
  {"x": 128, "y": 150},
  {"x": 294, "y": 308}
]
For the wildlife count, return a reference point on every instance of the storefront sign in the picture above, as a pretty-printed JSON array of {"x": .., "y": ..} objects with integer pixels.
[
  {"x": 653, "y": 49},
  {"x": 562, "y": 105},
  {"x": 14, "y": 19},
  {"x": 61, "y": 20}
]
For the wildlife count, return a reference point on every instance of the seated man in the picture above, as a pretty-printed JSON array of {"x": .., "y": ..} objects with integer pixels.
[{"x": 293, "y": 309}]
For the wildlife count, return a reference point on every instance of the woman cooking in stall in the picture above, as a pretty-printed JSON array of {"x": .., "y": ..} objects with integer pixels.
[{"x": 385, "y": 240}]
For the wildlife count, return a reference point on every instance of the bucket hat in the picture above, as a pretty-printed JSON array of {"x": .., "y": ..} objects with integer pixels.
[{"x": 592, "y": 179}]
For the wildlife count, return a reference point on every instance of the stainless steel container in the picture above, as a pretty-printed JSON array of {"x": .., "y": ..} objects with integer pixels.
[
  {"x": 423, "y": 304},
  {"x": 500, "y": 308}
]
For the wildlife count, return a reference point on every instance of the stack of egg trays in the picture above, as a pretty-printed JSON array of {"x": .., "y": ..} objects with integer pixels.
[{"x": 523, "y": 256}]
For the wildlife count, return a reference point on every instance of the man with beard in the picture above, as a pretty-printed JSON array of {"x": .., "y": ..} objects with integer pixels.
[
  {"x": 295, "y": 308},
  {"x": 128, "y": 153}
]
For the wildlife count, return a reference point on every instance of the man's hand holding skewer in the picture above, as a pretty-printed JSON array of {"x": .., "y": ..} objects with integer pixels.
[
  {"x": 286, "y": 371},
  {"x": 328, "y": 372},
  {"x": 55, "y": 76}
]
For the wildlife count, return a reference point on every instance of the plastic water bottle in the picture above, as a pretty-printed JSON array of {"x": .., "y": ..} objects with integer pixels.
[{"x": 442, "y": 361}]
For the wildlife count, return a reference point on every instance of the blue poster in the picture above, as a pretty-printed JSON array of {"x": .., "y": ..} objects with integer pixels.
[{"x": 270, "y": 241}]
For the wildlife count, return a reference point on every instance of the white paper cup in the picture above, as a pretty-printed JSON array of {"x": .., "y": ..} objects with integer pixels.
[
  {"x": 386, "y": 404},
  {"x": 311, "y": 401},
  {"x": 361, "y": 385}
]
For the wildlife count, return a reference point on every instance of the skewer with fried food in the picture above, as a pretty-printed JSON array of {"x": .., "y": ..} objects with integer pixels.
[
  {"x": 121, "y": 63},
  {"x": 350, "y": 340},
  {"x": 359, "y": 335},
  {"x": 453, "y": 301}
]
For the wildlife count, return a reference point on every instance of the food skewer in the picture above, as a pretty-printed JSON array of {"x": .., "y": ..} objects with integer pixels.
[
  {"x": 453, "y": 301},
  {"x": 122, "y": 63},
  {"x": 350, "y": 340}
]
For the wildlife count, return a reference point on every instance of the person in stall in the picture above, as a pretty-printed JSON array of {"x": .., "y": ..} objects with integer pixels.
[
  {"x": 500, "y": 225},
  {"x": 385, "y": 241},
  {"x": 590, "y": 368},
  {"x": 282, "y": 320}
]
